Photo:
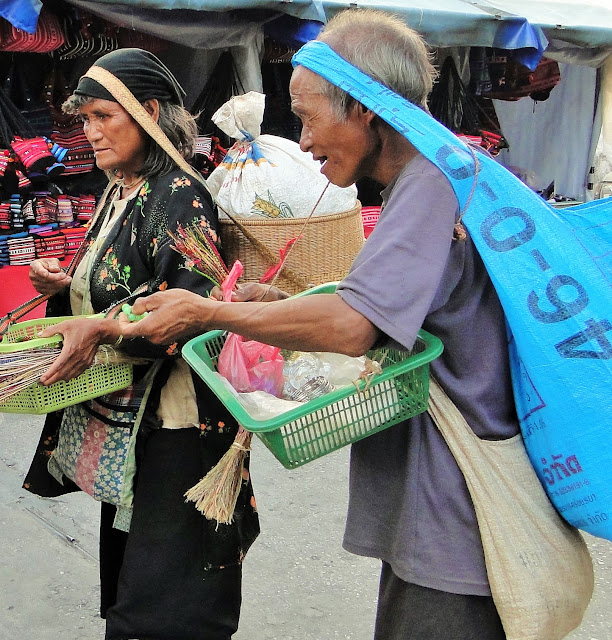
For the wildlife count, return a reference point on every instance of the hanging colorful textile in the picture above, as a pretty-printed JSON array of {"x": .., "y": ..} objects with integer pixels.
[
  {"x": 48, "y": 35},
  {"x": 552, "y": 270}
]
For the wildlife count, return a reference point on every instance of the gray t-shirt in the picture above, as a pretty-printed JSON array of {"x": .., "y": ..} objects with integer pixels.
[{"x": 409, "y": 504}]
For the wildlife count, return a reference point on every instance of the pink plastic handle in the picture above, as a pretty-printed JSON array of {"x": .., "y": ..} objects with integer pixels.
[{"x": 227, "y": 286}]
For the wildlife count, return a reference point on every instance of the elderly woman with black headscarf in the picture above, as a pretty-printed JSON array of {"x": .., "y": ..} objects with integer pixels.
[{"x": 166, "y": 571}]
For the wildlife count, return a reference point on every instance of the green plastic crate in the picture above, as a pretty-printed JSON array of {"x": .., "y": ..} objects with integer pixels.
[
  {"x": 37, "y": 398},
  {"x": 339, "y": 417}
]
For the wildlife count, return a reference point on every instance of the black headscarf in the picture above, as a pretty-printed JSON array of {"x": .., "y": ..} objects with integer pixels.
[{"x": 144, "y": 74}]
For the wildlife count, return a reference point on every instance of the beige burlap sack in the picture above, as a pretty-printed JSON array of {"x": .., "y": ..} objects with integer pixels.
[{"x": 539, "y": 567}]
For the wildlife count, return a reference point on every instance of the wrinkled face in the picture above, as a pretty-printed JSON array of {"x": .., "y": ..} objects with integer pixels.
[
  {"x": 117, "y": 140},
  {"x": 347, "y": 150}
]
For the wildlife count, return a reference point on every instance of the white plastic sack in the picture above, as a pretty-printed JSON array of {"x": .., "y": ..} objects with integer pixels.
[{"x": 267, "y": 176}]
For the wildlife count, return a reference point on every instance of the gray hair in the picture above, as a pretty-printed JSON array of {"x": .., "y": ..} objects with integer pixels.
[
  {"x": 175, "y": 121},
  {"x": 383, "y": 47}
]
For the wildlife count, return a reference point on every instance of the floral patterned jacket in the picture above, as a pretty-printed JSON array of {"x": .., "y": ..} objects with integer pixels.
[{"x": 137, "y": 254}]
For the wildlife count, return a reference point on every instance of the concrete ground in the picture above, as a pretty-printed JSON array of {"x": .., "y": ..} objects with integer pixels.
[{"x": 298, "y": 582}]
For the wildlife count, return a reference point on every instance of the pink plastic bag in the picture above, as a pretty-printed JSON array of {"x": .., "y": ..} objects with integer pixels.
[
  {"x": 247, "y": 364},
  {"x": 251, "y": 365}
]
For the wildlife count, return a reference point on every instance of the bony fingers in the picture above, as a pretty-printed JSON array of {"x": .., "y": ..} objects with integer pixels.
[
  {"x": 47, "y": 333},
  {"x": 49, "y": 377}
]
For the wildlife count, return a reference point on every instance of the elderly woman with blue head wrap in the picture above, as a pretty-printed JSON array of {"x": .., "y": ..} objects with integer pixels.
[{"x": 166, "y": 571}]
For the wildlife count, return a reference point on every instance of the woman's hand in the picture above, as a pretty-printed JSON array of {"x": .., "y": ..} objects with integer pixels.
[
  {"x": 81, "y": 338},
  {"x": 171, "y": 315},
  {"x": 252, "y": 292},
  {"x": 47, "y": 276}
]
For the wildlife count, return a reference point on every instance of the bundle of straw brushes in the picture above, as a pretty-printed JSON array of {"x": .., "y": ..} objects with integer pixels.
[
  {"x": 202, "y": 256},
  {"x": 21, "y": 369}
]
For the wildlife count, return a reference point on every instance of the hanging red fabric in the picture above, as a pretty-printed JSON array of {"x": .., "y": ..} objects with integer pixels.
[{"x": 47, "y": 37}]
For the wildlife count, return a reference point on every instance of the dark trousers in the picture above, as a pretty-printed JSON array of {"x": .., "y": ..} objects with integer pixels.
[
  {"x": 410, "y": 612},
  {"x": 155, "y": 585}
]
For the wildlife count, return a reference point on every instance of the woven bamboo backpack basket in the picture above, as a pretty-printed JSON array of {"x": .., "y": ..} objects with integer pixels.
[{"x": 324, "y": 251}]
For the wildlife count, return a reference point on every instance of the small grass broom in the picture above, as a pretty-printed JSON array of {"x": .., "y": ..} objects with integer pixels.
[{"x": 215, "y": 495}]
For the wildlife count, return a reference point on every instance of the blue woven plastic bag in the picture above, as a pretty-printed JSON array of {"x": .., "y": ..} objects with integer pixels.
[{"x": 552, "y": 270}]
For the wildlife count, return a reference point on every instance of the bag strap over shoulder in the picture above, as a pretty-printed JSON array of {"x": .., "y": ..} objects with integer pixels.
[{"x": 539, "y": 568}]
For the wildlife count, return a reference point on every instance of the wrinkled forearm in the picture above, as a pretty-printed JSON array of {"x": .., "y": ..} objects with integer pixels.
[{"x": 321, "y": 322}]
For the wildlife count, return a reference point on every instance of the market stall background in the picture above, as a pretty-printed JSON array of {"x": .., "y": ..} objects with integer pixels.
[{"x": 550, "y": 124}]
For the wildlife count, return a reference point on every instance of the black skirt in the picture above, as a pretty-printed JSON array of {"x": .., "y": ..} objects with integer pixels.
[{"x": 156, "y": 581}]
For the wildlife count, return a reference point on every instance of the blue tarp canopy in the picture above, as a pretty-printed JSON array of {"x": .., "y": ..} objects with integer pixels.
[
  {"x": 443, "y": 23},
  {"x": 22, "y": 14}
]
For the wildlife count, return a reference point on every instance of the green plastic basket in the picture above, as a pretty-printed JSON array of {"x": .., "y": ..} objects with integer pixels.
[
  {"x": 37, "y": 399},
  {"x": 339, "y": 417}
]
